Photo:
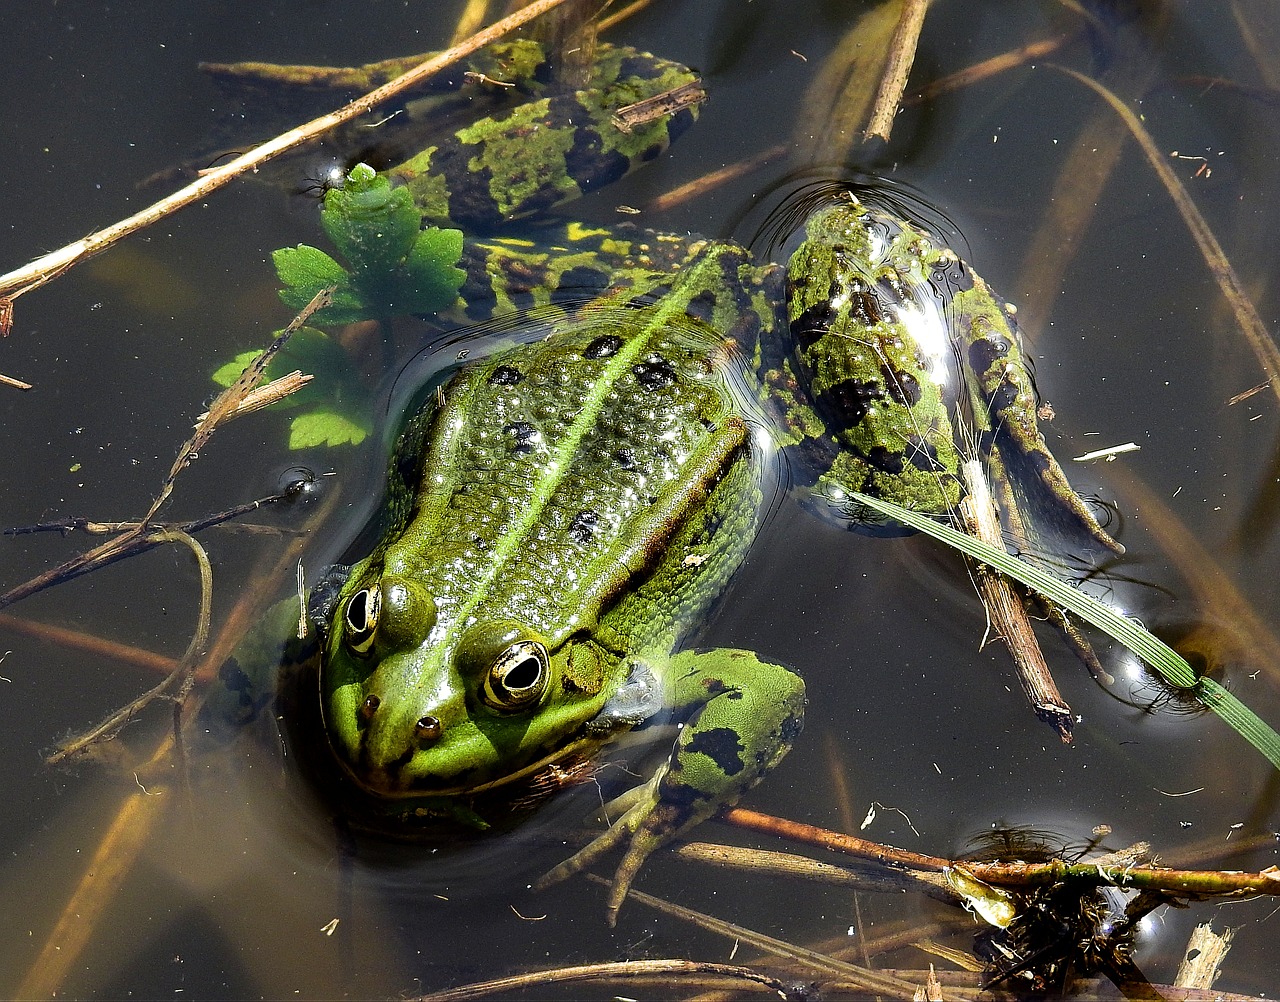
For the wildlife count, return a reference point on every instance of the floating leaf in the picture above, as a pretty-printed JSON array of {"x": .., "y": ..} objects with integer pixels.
[{"x": 394, "y": 268}]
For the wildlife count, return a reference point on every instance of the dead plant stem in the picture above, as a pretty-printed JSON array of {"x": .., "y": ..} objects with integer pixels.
[
  {"x": 16, "y": 282},
  {"x": 902, "y": 53}
]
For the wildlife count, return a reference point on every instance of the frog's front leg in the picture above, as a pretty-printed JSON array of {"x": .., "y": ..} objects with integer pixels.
[{"x": 742, "y": 715}]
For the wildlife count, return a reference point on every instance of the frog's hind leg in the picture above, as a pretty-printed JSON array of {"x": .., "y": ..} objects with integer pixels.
[{"x": 1003, "y": 407}]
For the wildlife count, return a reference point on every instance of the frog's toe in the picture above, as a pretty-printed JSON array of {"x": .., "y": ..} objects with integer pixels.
[
  {"x": 583, "y": 858},
  {"x": 634, "y": 826}
]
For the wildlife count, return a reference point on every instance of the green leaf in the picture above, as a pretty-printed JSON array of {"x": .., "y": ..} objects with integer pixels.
[
  {"x": 372, "y": 224},
  {"x": 324, "y": 427},
  {"x": 1125, "y": 631},
  {"x": 307, "y": 267},
  {"x": 335, "y": 389},
  {"x": 393, "y": 267}
]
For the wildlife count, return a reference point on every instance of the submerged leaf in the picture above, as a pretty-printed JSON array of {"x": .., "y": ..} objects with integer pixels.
[
  {"x": 323, "y": 427},
  {"x": 314, "y": 352},
  {"x": 994, "y": 904}
]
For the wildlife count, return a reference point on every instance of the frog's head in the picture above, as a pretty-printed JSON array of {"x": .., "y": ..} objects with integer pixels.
[{"x": 415, "y": 705}]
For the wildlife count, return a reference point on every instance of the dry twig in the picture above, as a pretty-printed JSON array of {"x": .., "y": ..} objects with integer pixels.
[
  {"x": 1233, "y": 883},
  {"x": 902, "y": 53},
  {"x": 22, "y": 279}
]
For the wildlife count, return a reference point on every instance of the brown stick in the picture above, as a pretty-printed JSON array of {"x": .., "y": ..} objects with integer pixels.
[
  {"x": 1007, "y": 612},
  {"x": 88, "y": 643},
  {"x": 1194, "y": 882},
  {"x": 902, "y": 54},
  {"x": 978, "y": 72},
  {"x": 17, "y": 281}
]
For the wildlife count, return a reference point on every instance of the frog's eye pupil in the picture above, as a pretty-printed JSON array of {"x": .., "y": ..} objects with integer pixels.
[
  {"x": 370, "y": 706},
  {"x": 524, "y": 674},
  {"x": 518, "y": 677},
  {"x": 361, "y": 618}
]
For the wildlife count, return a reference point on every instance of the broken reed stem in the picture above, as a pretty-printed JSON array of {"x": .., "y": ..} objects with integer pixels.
[
  {"x": 1195, "y": 882},
  {"x": 229, "y": 401},
  {"x": 179, "y": 679},
  {"x": 1202, "y": 959},
  {"x": 622, "y": 970},
  {"x": 902, "y": 53},
  {"x": 1006, "y": 611},
  {"x": 1233, "y": 290},
  {"x": 266, "y": 395},
  {"x": 21, "y": 279}
]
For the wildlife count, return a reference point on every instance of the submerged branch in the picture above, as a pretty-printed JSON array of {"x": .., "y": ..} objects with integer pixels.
[
  {"x": 864, "y": 978},
  {"x": 87, "y": 643},
  {"x": 628, "y": 970},
  {"x": 994, "y": 66},
  {"x": 902, "y": 53},
  {"x": 176, "y": 684}
]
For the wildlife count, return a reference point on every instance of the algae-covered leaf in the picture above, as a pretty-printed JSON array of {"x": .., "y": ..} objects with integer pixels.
[
  {"x": 393, "y": 267},
  {"x": 325, "y": 427}
]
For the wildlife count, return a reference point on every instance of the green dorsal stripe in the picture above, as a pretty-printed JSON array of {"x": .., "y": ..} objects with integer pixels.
[{"x": 511, "y": 544}]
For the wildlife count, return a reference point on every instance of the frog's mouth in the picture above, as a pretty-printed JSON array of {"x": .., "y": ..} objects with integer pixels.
[
  {"x": 418, "y": 811},
  {"x": 397, "y": 781}
]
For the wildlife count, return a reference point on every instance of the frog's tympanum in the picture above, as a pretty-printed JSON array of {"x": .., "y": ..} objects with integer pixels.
[{"x": 564, "y": 512}]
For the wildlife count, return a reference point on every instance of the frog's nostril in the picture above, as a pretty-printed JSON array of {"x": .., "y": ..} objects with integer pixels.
[
  {"x": 369, "y": 706},
  {"x": 427, "y": 730}
]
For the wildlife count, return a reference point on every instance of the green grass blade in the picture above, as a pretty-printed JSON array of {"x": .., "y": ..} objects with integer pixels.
[{"x": 1123, "y": 630}]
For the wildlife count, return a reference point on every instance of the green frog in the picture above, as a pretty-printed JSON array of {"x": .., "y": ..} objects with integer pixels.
[{"x": 563, "y": 513}]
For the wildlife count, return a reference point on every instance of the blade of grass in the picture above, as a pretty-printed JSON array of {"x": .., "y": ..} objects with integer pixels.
[{"x": 864, "y": 978}]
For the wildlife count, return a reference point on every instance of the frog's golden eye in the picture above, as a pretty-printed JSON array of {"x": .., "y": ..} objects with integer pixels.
[
  {"x": 360, "y": 617},
  {"x": 518, "y": 677}
]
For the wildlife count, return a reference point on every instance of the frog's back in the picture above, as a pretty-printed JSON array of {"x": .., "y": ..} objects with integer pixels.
[{"x": 558, "y": 473}]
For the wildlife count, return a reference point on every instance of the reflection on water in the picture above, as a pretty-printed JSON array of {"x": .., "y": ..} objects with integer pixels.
[{"x": 232, "y": 891}]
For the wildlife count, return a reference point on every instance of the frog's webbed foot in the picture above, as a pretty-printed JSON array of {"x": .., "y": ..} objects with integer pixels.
[
  {"x": 638, "y": 824},
  {"x": 742, "y": 715}
]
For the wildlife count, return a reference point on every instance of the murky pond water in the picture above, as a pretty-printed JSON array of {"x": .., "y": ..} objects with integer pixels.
[{"x": 232, "y": 889}]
